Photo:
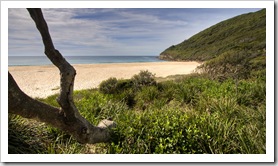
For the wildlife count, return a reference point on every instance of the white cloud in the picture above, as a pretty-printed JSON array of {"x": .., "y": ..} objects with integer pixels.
[{"x": 107, "y": 31}]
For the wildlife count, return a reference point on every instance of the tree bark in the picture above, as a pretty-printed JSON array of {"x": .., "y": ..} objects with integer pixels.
[{"x": 66, "y": 118}]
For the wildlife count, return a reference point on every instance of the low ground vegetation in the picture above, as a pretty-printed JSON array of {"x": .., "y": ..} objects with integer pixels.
[{"x": 192, "y": 114}]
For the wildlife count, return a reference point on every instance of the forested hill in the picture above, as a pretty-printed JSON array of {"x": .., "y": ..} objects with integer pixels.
[{"x": 245, "y": 32}]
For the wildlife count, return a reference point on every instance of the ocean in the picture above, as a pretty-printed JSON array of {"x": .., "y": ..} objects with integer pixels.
[{"x": 43, "y": 60}]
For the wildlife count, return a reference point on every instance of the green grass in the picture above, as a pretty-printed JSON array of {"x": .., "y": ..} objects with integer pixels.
[
  {"x": 30, "y": 137},
  {"x": 189, "y": 115}
]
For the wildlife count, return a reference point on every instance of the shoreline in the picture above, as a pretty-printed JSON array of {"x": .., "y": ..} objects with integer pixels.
[{"x": 43, "y": 81}]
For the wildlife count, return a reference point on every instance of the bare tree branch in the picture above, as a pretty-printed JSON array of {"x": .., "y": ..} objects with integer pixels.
[
  {"x": 68, "y": 117},
  {"x": 67, "y": 72}
]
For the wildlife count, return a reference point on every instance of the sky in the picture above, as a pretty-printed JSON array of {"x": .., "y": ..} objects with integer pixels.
[{"x": 112, "y": 31}]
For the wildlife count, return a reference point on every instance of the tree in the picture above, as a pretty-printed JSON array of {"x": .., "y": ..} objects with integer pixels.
[{"x": 67, "y": 117}]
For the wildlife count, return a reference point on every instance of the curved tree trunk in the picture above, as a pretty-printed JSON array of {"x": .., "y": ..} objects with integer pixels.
[{"x": 67, "y": 118}]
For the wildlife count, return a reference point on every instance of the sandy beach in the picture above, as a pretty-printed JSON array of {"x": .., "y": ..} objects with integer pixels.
[{"x": 42, "y": 81}]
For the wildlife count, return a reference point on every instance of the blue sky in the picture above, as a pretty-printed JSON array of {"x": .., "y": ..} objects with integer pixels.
[{"x": 109, "y": 31}]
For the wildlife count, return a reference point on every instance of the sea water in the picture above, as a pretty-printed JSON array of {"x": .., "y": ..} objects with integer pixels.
[{"x": 43, "y": 60}]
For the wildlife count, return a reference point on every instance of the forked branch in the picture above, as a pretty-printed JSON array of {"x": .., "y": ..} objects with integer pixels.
[{"x": 67, "y": 118}]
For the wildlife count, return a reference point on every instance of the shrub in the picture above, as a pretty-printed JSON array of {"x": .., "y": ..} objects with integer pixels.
[
  {"x": 91, "y": 106},
  {"x": 231, "y": 64},
  {"x": 108, "y": 86},
  {"x": 251, "y": 93},
  {"x": 127, "y": 96},
  {"x": 124, "y": 84},
  {"x": 146, "y": 96},
  {"x": 113, "y": 86},
  {"x": 189, "y": 89},
  {"x": 144, "y": 78},
  {"x": 168, "y": 89},
  {"x": 157, "y": 131}
]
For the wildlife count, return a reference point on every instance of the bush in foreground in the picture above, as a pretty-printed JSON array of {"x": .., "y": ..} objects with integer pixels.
[
  {"x": 108, "y": 86},
  {"x": 190, "y": 115},
  {"x": 144, "y": 78}
]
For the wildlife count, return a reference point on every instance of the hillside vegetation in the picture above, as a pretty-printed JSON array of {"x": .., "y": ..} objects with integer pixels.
[
  {"x": 241, "y": 33},
  {"x": 219, "y": 109}
]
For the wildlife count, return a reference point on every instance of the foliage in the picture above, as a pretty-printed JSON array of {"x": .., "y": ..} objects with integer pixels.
[
  {"x": 193, "y": 114},
  {"x": 236, "y": 65},
  {"x": 242, "y": 33},
  {"x": 30, "y": 137},
  {"x": 156, "y": 131},
  {"x": 217, "y": 122},
  {"x": 108, "y": 86},
  {"x": 144, "y": 78},
  {"x": 146, "y": 96}
]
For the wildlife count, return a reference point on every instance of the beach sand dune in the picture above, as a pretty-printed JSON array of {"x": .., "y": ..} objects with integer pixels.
[{"x": 42, "y": 81}]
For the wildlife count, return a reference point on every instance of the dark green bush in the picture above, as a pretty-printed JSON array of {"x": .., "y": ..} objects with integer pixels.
[
  {"x": 127, "y": 96},
  {"x": 124, "y": 84},
  {"x": 157, "y": 131},
  {"x": 251, "y": 93},
  {"x": 146, "y": 96},
  {"x": 108, "y": 86},
  {"x": 231, "y": 64},
  {"x": 168, "y": 88},
  {"x": 144, "y": 78}
]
